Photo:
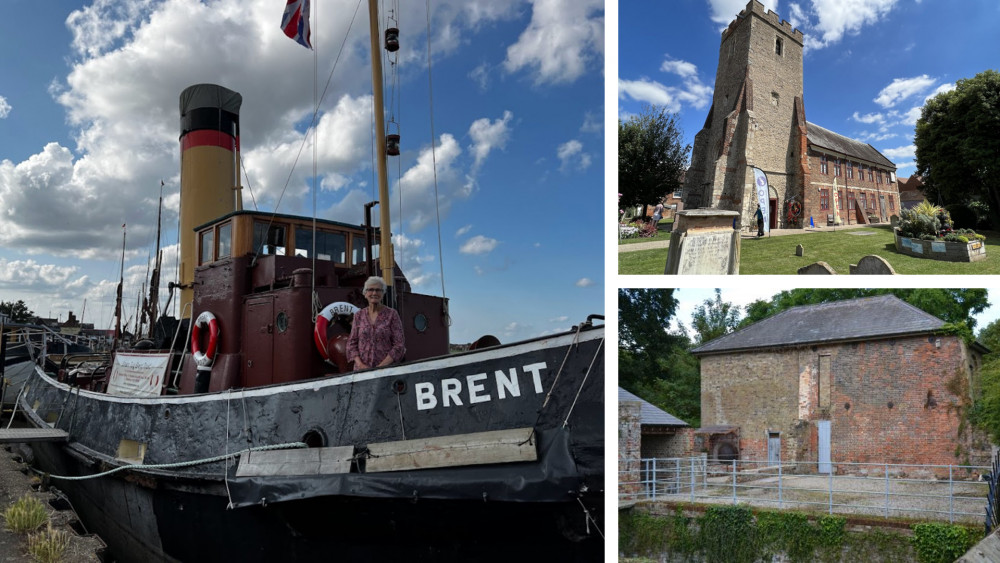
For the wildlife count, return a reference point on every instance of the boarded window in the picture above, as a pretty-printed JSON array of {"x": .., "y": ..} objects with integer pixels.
[{"x": 825, "y": 380}]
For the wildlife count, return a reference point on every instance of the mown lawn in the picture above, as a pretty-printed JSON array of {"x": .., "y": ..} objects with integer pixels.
[
  {"x": 663, "y": 233},
  {"x": 839, "y": 249}
]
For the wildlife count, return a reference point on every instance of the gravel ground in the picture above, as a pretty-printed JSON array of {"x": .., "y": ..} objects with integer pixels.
[
  {"x": 937, "y": 500},
  {"x": 14, "y": 484}
]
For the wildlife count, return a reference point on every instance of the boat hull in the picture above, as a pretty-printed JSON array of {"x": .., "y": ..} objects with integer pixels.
[{"x": 553, "y": 387}]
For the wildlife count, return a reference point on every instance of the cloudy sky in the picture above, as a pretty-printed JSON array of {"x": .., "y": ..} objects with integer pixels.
[
  {"x": 869, "y": 64},
  {"x": 89, "y": 128}
]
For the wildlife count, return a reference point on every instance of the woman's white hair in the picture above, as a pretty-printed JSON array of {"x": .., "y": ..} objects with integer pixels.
[{"x": 373, "y": 281}]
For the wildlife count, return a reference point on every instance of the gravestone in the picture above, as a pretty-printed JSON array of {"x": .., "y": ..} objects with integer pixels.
[
  {"x": 872, "y": 265},
  {"x": 817, "y": 268},
  {"x": 704, "y": 242},
  {"x": 799, "y": 250}
]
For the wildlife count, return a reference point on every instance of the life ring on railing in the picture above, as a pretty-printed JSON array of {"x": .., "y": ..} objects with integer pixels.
[
  {"x": 323, "y": 322},
  {"x": 206, "y": 357}
]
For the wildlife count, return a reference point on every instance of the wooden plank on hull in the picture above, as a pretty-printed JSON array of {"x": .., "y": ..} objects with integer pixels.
[
  {"x": 499, "y": 446},
  {"x": 20, "y": 435},
  {"x": 302, "y": 461}
]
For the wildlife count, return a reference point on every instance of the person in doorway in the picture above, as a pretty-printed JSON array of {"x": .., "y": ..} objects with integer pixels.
[
  {"x": 760, "y": 222},
  {"x": 377, "y": 332}
]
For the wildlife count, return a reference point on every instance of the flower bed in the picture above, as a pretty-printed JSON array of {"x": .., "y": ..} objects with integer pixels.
[{"x": 949, "y": 251}]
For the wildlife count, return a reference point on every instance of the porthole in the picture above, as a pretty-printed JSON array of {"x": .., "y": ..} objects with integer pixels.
[
  {"x": 420, "y": 322},
  {"x": 282, "y": 322}
]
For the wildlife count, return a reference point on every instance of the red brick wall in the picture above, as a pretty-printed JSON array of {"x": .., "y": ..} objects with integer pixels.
[
  {"x": 629, "y": 441},
  {"x": 857, "y": 185},
  {"x": 779, "y": 391}
]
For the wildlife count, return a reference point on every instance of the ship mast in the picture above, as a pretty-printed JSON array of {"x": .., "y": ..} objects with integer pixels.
[{"x": 386, "y": 258}]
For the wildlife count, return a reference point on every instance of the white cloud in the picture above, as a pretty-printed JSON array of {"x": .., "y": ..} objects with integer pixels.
[
  {"x": 725, "y": 11},
  {"x": 835, "y": 18},
  {"x": 463, "y": 230},
  {"x": 481, "y": 76},
  {"x": 592, "y": 123},
  {"x": 680, "y": 68},
  {"x": 479, "y": 245},
  {"x": 903, "y": 88},
  {"x": 645, "y": 90},
  {"x": 4, "y": 107},
  {"x": 869, "y": 118},
  {"x": 562, "y": 40},
  {"x": 559, "y": 319},
  {"x": 898, "y": 153},
  {"x": 585, "y": 282},
  {"x": 572, "y": 157},
  {"x": 487, "y": 135},
  {"x": 947, "y": 87}
]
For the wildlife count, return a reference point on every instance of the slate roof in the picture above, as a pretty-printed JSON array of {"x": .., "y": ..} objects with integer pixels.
[
  {"x": 820, "y": 137},
  {"x": 883, "y": 316},
  {"x": 649, "y": 413}
]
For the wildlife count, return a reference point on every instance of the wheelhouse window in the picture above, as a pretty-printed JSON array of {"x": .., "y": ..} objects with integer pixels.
[
  {"x": 358, "y": 250},
  {"x": 269, "y": 238},
  {"x": 225, "y": 241},
  {"x": 329, "y": 246},
  {"x": 207, "y": 247}
]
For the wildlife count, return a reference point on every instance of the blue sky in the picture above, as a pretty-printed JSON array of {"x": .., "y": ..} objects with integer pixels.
[
  {"x": 89, "y": 125},
  {"x": 869, "y": 64}
]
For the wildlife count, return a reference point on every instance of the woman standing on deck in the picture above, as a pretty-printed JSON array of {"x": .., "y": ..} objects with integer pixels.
[{"x": 377, "y": 332}]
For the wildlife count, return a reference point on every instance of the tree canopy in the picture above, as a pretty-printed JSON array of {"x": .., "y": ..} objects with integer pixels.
[
  {"x": 651, "y": 158},
  {"x": 18, "y": 311},
  {"x": 957, "y": 145},
  {"x": 715, "y": 318}
]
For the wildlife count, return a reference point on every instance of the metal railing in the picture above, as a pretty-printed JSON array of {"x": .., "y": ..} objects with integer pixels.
[{"x": 939, "y": 492}]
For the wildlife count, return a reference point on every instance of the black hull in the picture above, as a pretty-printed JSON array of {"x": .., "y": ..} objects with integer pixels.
[{"x": 489, "y": 512}]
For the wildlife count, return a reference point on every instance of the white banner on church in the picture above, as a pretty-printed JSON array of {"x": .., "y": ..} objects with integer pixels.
[
  {"x": 760, "y": 181},
  {"x": 138, "y": 375}
]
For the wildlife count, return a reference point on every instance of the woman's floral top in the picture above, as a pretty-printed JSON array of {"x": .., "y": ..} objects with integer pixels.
[{"x": 373, "y": 342}]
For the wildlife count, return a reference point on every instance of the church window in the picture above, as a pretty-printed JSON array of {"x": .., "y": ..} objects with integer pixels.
[
  {"x": 822, "y": 164},
  {"x": 777, "y": 46},
  {"x": 836, "y": 167},
  {"x": 850, "y": 199},
  {"x": 840, "y": 199},
  {"x": 824, "y": 199},
  {"x": 864, "y": 200},
  {"x": 850, "y": 170},
  {"x": 870, "y": 178},
  {"x": 878, "y": 177},
  {"x": 892, "y": 204}
]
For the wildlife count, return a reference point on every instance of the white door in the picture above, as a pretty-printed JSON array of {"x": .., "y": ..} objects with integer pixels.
[
  {"x": 824, "y": 445},
  {"x": 773, "y": 448}
]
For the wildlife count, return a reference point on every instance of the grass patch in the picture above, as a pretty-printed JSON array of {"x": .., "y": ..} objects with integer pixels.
[
  {"x": 839, "y": 249},
  {"x": 26, "y": 514},
  {"x": 48, "y": 545}
]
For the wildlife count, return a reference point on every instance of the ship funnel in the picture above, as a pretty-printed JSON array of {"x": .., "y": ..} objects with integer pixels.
[{"x": 210, "y": 152}]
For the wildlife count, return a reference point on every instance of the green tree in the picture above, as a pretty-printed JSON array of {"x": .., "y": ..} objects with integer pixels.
[
  {"x": 650, "y": 156},
  {"x": 653, "y": 362},
  {"x": 986, "y": 412},
  {"x": 714, "y": 318},
  {"x": 18, "y": 312},
  {"x": 957, "y": 146}
]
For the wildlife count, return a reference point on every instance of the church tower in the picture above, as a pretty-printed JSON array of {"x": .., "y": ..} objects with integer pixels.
[{"x": 756, "y": 120}]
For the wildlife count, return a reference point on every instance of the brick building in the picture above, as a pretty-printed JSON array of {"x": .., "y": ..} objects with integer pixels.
[
  {"x": 910, "y": 191},
  {"x": 662, "y": 435},
  {"x": 758, "y": 119},
  {"x": 868, "y": 380}
]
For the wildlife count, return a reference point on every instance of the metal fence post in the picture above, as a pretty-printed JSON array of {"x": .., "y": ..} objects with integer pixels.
[
  {"x": 831, "y": 487},
  {"x": 734, "y": 481},
  {"x": 692, "y": 479},
  {"x": 951, "y": 497},
  {"x": 652, "y": 480},
  {"x": 887, "y": 490}
]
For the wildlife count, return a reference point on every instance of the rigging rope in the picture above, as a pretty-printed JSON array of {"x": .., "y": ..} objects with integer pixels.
[{"x": 437, "y": 203}]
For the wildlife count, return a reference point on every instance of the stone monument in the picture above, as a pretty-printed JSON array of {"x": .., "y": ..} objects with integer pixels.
[{"x": 704, "y": 242}]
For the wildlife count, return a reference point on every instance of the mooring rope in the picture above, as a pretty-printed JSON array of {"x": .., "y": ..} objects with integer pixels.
[
  {"x": 590, "y": 519},
  {"x": 141, "y": 467}
]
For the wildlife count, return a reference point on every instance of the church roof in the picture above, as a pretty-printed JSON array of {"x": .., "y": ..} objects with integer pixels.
[
  {"x": 821, "y": 137},
  {"x": 882, "y": 316},
  {"x": 650, "y": 413}
]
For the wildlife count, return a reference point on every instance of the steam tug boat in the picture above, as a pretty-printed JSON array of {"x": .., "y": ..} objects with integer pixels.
[{"x": 252, "y": 439}]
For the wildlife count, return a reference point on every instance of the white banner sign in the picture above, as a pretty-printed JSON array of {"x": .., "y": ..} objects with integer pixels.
[
  {"x": 763, "y": 199},
  {"x": 138, "y": 375}
]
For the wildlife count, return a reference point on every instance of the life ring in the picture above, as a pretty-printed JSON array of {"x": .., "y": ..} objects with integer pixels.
[
  {"x": 206, "y": 357},
  {"x": 323, "y": 322}
]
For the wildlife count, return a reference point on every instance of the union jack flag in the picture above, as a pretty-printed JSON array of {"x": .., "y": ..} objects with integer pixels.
[{"x": 295, "y": 22}]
